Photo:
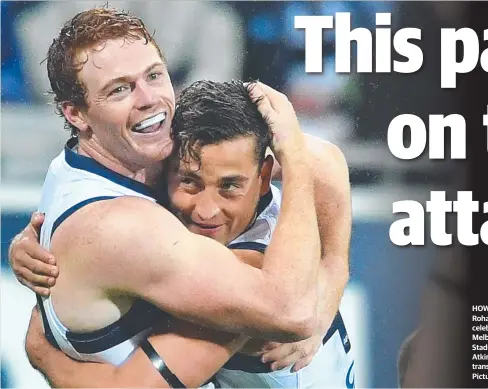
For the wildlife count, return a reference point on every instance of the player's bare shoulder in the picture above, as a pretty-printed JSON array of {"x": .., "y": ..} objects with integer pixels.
[{"x": 118, "y": 230}]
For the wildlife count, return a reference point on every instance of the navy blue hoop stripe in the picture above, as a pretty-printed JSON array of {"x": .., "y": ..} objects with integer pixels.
[
  {"x": 160, "y": 365},
  {"x": 47, "y": 329},
  {"x": 75, "y": 208},
  {"x": 140, "y": 317},
  {"x": 81, "y": 162}
]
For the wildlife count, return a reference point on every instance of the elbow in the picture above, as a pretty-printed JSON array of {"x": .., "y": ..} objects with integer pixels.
[
  {"x": 297, "y": 319},
  {"x": 302, "y": 325},
  {"x": 319, "y": 147}
]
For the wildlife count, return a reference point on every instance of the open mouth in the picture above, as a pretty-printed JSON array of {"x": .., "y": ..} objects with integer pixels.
[{"x": 151, "y": 124}]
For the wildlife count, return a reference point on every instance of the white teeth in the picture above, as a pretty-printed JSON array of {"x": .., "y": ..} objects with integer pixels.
[{"x": 149, "y": 122}]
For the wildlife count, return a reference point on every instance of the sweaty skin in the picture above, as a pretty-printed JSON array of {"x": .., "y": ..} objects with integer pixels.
[{"x": 135, "y": 371}]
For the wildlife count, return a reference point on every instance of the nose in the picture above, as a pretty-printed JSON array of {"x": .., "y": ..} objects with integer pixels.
[
  {"x": 146, "y": 96},
  {"x": 206, "y": 207}
]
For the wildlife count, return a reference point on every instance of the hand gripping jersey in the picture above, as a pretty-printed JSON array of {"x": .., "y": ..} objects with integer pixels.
[
  {"x": 72, "y": 182},
  {"x": 333, "y": 364}
]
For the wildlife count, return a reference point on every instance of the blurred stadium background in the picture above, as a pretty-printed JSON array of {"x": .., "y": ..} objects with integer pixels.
[{"x": 225, "y": 40}]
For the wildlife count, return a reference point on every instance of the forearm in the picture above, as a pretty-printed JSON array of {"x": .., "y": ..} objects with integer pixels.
[
  {"x": 333, "y": 204},
  {"x": 193, "y": 361},
  {"x": 331, "y": 285},
  {"x": 332, "y": 200},
  {"x": 293, "y": 254},
  {"x": 97, "y": 375},
  {"x": 64, "y": 372}
]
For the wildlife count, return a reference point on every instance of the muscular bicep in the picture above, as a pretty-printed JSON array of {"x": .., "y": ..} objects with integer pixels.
[
  {"x": 150, "y": 254},
  {"x": 210, "y": 285}
]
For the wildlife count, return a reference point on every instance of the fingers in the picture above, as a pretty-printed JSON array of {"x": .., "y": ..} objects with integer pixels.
[
  {"x": 27, "y": 242},
  {"x": 270, "y": 92},
  {"x": 303, "y": 362},
  {"x": 299, "y": 358},
  {"x": 36, "y": 275},
  {"x": 36, "y": 261},
  {"x": 298, "y": 354},
  {"x": 286, "y": 361},
  {"x": 262, "y": 102},
  {"x": 33, "y": 249},
  {"x": 36, "y": 289},
  {"x": 279, "y": 352},
  {"x": 270, "y": 345},
  {"x": 37, "y": 279},
  {"x": 30, "y": 260},
  {"x": 36, "y": 221},
  {"x": 276, "y": 100},
  {"x": 31, "y": 263}
]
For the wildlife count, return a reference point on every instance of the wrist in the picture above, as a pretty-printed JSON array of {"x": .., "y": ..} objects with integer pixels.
[{"x": 297, "y": 165}]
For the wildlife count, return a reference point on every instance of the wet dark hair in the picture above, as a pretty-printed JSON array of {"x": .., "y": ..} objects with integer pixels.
[{"x": 208, "y": 113}]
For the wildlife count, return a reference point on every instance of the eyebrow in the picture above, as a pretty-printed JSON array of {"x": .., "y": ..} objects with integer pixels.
[
  {"x": 234, "y": 178},
  {"x": 124, "y": 79},
  {"x": 189, "y": 174}
]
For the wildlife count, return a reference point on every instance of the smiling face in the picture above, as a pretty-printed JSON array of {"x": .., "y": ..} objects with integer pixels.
[
  {"x": 218, "y": 195},
  {"x": 130, "y": 102}
]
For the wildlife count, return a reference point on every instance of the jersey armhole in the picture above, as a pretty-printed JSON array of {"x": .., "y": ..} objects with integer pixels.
[{"x": 75, "y": 208}]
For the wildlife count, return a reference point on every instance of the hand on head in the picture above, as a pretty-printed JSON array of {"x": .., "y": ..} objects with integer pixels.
[{"x": 281, "y": 118}]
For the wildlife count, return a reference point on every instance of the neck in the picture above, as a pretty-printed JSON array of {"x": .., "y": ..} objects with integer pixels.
[{"x": 145, "y": 174}]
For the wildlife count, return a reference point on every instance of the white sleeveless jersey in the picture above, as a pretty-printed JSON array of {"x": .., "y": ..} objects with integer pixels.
[
  {"x": 333, "y": 364},
  {"x": 73, "y": 181}
]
